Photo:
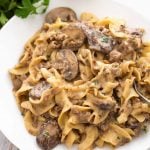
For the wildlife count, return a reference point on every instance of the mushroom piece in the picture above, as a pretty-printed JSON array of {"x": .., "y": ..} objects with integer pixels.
[
  {"x": 64, "y": 13},
  {"x": 96, "y": 39},
  {"x": 75, "y": 37},
  {"x": 67, "y": 63},
  {"x": 38, "y": 89},
  {"x": 100, "y": 42},
  {"x": 49, "y": 135}
]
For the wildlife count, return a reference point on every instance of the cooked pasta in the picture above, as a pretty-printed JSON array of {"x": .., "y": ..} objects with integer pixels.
[{"x": 74, "y": 82}]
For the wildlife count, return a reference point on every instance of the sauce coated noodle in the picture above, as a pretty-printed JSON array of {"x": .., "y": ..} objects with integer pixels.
[{"x": 92, "y": 97}]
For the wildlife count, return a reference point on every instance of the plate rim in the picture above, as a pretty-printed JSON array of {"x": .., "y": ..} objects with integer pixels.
[{"x": 14, "y": 17}]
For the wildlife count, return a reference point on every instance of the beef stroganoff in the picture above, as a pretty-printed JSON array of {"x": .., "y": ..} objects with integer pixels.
[{"x": 74, "y": 82}]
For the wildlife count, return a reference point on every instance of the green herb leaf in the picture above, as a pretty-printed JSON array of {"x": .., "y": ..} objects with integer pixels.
[
  {"x": 28, "y": 8},
  {"x": 12, "y": 5},
  {"x": 24, "y": 12},
  {"x": 46, "y": 2},
  {"x": 3, "y": 18},
  {"x": 46, "y": 134},
  {"x": 34, "y": 1},
  {"x": 95, "y": 82},
  {"x": 26, "y": 3},
  {"x": 21, "y": 8},
  {"x": 104, "y": 39},
  {"x": 4, "y": 3},
  {"x": 145, "y": 129}
]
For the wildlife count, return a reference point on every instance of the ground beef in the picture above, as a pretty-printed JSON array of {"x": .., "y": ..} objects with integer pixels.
[
  {"x": 38, "y": 89},
  {"x": 75, "y": 38},
  {"x": 133, "y": 124},
  {"x": 56, "y": 39},
  {"x": 115, "y": 56}
]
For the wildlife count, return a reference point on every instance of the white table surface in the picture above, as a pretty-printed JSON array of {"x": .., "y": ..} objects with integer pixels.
[{"x": 141, "y": 6}]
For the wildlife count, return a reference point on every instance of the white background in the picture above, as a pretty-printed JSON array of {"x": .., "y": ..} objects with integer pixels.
[{"x": 142, "y": 6}]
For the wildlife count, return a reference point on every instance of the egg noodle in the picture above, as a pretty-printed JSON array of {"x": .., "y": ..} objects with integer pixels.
[{"x": 99, "y": 105}]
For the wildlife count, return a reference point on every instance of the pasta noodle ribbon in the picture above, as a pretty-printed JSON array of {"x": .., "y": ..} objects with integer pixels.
[
  {"x": 44, "y": 104},
  {"x": 91, "y": 136},
  {"x": 74, "y": 83},
  {"x": 28, "y": 120}
]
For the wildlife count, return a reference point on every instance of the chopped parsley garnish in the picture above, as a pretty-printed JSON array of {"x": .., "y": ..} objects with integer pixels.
[
  {"x": 145, "y": 129},
  {"x": 95, "y": 82},
  {"x": 104, "y": 39},
  {"x": 46, "y": 134}
]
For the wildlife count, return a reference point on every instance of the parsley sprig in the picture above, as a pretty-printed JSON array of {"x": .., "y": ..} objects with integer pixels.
[{"x": 21, "y": 8}]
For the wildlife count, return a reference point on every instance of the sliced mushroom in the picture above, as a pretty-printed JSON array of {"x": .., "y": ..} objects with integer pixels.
[
  {"x": 64, "y": 13},
  {"x": 75, "y": 38},
  {"x": 96, "y": 39},
  {"x": 49, "y": 136},
  {"x": 100, "y": 42},
  {"x": 38, "y": 89},
  {"x": 67, "y": 63}
]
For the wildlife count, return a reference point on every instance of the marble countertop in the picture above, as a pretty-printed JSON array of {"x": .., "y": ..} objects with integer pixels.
[{"x": 5, "y": 144}]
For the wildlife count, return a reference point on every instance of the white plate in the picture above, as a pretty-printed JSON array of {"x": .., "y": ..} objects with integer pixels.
[{"x": 12, "y": 39}]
